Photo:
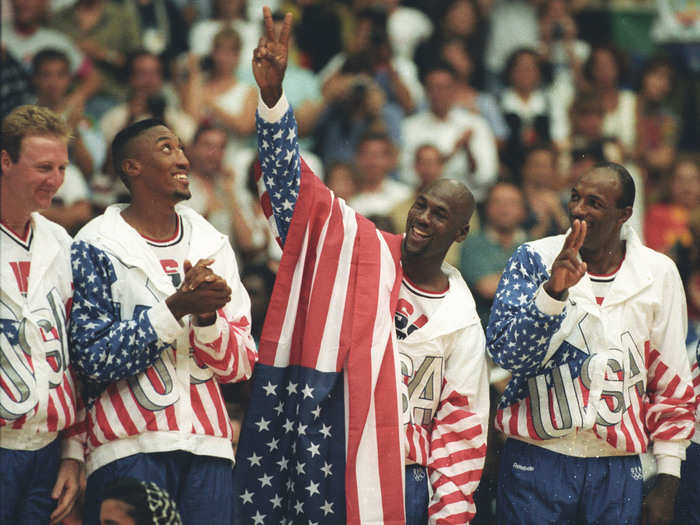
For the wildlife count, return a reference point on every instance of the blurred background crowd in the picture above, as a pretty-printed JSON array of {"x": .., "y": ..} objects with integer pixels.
[{"x": 516, "y": 98}]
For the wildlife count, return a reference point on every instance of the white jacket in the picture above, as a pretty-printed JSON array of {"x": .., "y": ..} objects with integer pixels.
[
  {"x": 589, "y": 379},
  {"x": 40, "y": 400},
  {"x": 446, "y": 398},
  {"x": 151, "y": 381}
]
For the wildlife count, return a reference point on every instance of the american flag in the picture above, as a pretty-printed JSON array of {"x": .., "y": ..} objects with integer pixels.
[{"x": 321, "y": 442}]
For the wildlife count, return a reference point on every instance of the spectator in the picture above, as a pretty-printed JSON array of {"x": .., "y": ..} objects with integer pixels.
[
  {"x": 231, "y": 14},
  {"x": 377, "y": 194},
  {"x": 666, "y": 224},
  {"x": 546, "y": 213},
  {"x": 603, "y": 72},
  {"x": 147, "y": 98},
  {"x": 407, "y": 27},
  {"x": 525, "y": 105},
  {"x": 342, "y": 180},
  {"x": 106, "y": 31},
  {"x": 485, "y": 253},
  {"x": 464, "y": 138},
  {"x": 588, "y": 140},
  {"x": 219, "y": 96},
  {"x": 70, "y": 206},
  {"x": 658, "y": 126},
  {"x": 370, "y": 53},
  {"x": 513, "y": 25},
  {"x": 163, "y": 28},
  {"x": 460, "y": 20},
  {"x": 51, "y": 79},
  {"x": 210, "y": 183},
  {"x": 455, "y": 53},
  {"x": 14, "y": 83},
  {"x": 24, "y": 36},
  {"x": 131, "y": 502}
]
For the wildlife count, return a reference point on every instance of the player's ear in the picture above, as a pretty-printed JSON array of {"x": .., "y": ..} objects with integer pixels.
[
  {"x": 5, "y": 160},
  {"x": 462, "y": 233},
  {"x": 131, "y": 167}
]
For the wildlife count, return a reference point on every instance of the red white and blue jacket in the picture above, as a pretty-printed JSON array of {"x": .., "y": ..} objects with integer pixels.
[
  {"x": 37, "y": 389},
  {"x": 590, "y": 379},
  {"x": 151, "y": 383}
]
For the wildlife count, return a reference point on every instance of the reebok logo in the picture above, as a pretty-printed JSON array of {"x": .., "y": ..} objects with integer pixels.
[
  {"x": 636, "y": 473},
  {"x": 524, "y": 468}
]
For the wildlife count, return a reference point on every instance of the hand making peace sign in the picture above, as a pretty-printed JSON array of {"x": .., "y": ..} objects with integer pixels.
[
  {"x": 270, "y": 58},
  {"x": 567, "y": 268}
]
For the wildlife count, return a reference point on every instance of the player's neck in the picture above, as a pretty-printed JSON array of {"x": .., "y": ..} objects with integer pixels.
[
  {"x": 151, "y": 220},
  {"x": 604, "y": 260},
  {"x": 427, "y": 275},
  {"x": 12, "y": 215}
]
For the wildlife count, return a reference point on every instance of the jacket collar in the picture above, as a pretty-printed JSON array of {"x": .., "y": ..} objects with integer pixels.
[
  {"x": 120, "y": 238},
  {"x": 42, "y": 261},
  {"x": 451, "y": 315},
  {"x": 633, "y": 277}
]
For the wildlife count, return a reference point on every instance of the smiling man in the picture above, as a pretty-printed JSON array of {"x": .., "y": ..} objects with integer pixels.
[
  {"x": 592, "y": 326},
  {"x": 390, "y": 303},
  {"x": 153, "y": 335},
  {"x": 37, "y": 390}
]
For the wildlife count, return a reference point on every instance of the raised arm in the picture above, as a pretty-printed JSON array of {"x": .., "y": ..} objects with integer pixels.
[{"x": 276, "y": 126}]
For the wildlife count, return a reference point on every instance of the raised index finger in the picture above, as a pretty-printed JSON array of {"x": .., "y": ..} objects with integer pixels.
[
  {"x": 286, "y": 29},
  {"x": 269, "y": 24},
  {"x": 581, "y": 236},
  {"x": 570, "y": 240}
]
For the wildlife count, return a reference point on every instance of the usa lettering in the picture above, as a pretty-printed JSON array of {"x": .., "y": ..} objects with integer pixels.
[
  {"x": 609, "y": 380},
  {"x": 17, "y": 380}
]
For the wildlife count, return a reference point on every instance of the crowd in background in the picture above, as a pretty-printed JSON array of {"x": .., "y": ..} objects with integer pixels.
[{"x": 516, "y": 98}]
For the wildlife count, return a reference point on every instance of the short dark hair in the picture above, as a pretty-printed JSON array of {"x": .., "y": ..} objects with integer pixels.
[
  {"x": 436, "y": 65},
  {"x": 120, "y": 144},
  {"x": 371, "y": 136},
  {"x": 628, "y": 190},
  {"x": 132, "y": 57},
  {"x": 48, "y": 54},
  {"x": 545, "y": 72},
  {"x": 205, "y": 128},
  {"x": 148, "y": 503}
]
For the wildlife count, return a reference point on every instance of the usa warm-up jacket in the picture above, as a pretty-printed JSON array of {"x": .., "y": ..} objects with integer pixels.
[
  {"x": 449, "y": 349},
  {"x": 151, "y": 382},
  {"x": 37, "y": 390},
  {"x": 589, "y": 379},
  {"x": 448, "y": 397}
]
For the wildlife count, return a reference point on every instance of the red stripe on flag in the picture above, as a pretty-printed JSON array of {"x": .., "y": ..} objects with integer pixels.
[
  {"x": 324, "y": 280},
  {"x": 148, "y": 416},
  {"x": 170, "y": 416}
]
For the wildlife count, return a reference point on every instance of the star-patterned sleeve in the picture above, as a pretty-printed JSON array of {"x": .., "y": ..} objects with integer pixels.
[
  {"x": 104, "y": 348},
  {"x": 520, "y": 326},
  {"x": 278, "y": 150}
]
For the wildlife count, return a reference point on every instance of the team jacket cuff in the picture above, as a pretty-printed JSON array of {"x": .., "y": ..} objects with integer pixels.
[
  {"x": 547, "y": 304},
  {"x": 208, "y": 334},
  {"x": 167, "y": 328},
  {"x": 72, "y": 448},
  {"x": 275, "y": 113},
  {"x": 668, "y": 465}
]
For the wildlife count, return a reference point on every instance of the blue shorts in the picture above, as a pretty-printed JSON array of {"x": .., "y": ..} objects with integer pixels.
[
  {"x": 688, "y": 498},
  {"x": 27, "y": 478},
  {"x": 202, "y": 486},
  {"x": 538, "y": 486},
  {"x": 416, "y": 495}
]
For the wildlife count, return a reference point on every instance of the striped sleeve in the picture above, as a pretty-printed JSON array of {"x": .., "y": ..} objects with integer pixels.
[
  {"x": 459, "y": 432},
  {"x": 669, "y": 414}
]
